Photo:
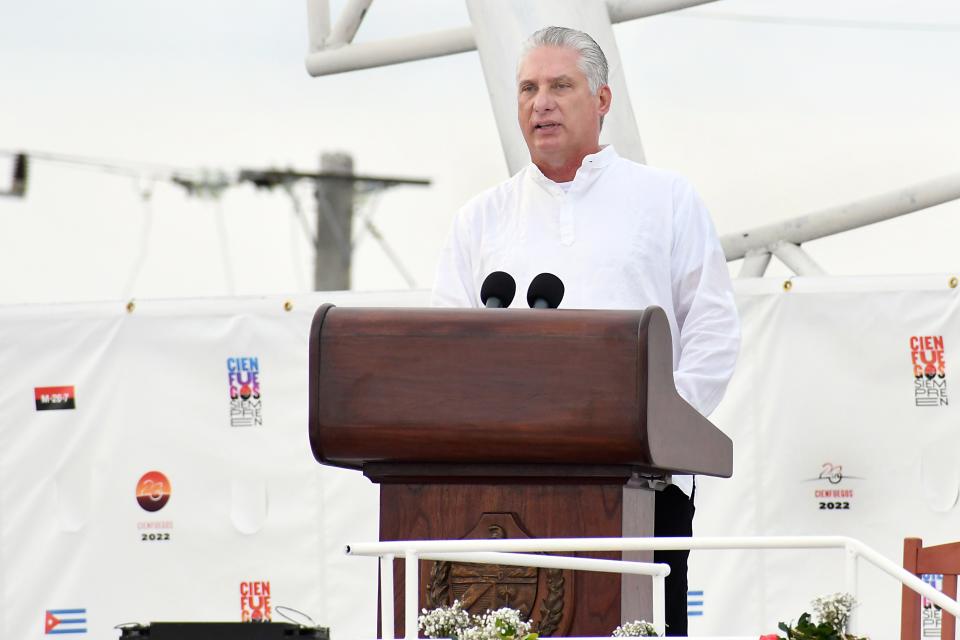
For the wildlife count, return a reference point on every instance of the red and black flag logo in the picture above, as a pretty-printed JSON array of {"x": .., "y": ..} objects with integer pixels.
[{"x": 50, "y": 398}]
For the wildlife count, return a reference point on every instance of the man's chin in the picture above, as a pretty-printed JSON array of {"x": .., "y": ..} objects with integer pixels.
[{"x": 547, "y": 148}]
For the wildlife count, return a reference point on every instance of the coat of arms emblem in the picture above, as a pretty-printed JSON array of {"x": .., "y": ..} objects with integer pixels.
[{"x": 538, "y": 594}]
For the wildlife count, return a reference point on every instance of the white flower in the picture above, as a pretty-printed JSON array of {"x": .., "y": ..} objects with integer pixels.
[
  {"x": 635, "y": 629},
  {"x": 454, "y": 622},
  {"x": 502, "y": 623},
  {"x": 835, "y": 610},
  {"x": 445, "y": 622}
]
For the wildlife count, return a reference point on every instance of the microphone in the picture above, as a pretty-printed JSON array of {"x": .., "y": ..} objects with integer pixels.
[
  {"x": 545, "y": 292},
  {"x": 498, "y": 290}
]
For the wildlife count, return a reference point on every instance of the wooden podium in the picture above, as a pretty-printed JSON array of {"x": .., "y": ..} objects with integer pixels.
[{"x": 510, "y": 423}]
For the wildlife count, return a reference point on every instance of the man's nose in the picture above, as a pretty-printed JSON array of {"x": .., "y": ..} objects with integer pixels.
[{"x": 543, "y": 101}]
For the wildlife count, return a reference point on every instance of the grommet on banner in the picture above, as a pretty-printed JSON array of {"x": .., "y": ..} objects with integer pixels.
[
  {"x": 288, "y": 306},
  {"x": 131, "y": 306},
  {"x": 787, "y": 285},
  {"x": 953, "y": 282}
]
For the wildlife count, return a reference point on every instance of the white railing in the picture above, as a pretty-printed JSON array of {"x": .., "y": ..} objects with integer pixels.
[{"x": 517, "y": 552}]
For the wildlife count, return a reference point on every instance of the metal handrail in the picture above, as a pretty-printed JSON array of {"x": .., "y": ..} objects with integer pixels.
[{"x": 498, "y": 551}]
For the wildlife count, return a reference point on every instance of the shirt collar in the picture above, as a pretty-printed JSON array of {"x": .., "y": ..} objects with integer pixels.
[
  {"x": 591, "y": 163},
  {"x": 600, "y": 159}
]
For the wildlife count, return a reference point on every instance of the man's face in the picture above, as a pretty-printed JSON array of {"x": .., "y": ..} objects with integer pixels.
[{"x": 558, "y": 115}]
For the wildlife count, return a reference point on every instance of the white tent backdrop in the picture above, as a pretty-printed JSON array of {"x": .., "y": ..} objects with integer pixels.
[{"x": 133, "y": 487}]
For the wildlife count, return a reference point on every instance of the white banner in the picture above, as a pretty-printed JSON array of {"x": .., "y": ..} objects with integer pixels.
[
  {"x": 833, "y": 434},
  {"x": 154, "y": 462},
  {"x": 155, "y": 466}
]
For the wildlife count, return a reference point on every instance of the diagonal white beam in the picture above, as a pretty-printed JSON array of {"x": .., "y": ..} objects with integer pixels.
[
  {"x": 844, "y": 217},
  {"x": 755, "y": 265},
  {"x": 623, "y": 10},
  {"x": 318, "y": 24},
  {"x": 341, "y": 56},
  {"x": 798, "y": 260},
  {"x": 368, "y": 55},
  {"x": 346, "y": 27}
]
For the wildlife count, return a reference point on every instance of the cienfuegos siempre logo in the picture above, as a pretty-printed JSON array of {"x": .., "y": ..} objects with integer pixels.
[
  {"x": 929, "y": 371},
  {"x": 243, "y": 376},
  {"x": 255, "y": 601}
]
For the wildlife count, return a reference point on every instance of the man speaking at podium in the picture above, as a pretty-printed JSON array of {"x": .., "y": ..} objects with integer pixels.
[{"x": 618, "y": 234}]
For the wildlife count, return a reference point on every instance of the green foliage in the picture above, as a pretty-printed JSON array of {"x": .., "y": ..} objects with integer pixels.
[
  {"x": 833, "y": 616},
  {"x": 807, "y": 630}
]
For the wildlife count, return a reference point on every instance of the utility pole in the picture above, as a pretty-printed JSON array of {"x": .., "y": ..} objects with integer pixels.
[
  {"x": 335, "y": 188},
  {"x": 334, "y": 248},
  {"x": 18, "y": 181}
]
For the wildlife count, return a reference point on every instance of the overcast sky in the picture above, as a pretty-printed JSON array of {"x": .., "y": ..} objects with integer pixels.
[{"x": 773, "y": 108}]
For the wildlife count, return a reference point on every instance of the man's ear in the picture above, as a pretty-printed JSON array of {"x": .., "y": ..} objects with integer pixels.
[{"x": 606, "y": 97}]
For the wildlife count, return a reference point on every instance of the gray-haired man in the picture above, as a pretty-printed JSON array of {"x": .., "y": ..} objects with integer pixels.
[{"x": 620, "y": 235}]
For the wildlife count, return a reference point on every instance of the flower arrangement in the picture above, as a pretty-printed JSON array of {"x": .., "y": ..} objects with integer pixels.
[
  {"x": 445, "y": 622},
  {"x": 456, "y": 623},
  {"x": 832, "y": 618},
  {"x": 635, "y": 629}
]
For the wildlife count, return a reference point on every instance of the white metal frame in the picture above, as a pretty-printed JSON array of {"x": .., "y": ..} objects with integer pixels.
[
  {"x": 518, "y": 552},
  {"x": 331, "y": 48},
  {"x": 783, "y": 239}
]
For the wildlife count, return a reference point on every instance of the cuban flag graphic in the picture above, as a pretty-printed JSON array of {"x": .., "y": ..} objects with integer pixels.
[
  {"x": 694, "y": 604},
  {"x": 65, "y": 621}
]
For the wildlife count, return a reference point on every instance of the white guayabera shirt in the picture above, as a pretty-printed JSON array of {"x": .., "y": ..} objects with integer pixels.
[{"x": 621, "y": 236}]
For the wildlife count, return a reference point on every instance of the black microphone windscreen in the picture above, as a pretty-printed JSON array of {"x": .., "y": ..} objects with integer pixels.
[
  {"x": 546, "y": 287},
  {"x": 499, "y": 285}
]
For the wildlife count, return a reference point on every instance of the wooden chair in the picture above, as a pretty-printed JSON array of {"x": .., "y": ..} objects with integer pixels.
[{"x": 917, "y": 559}]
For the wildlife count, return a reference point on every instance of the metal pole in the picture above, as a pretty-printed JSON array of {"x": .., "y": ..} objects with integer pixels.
[
  {"x": 552, "y": 562},
  {"x": 534, "y": 545},
  {"x": 797, "y": 259},
  {"x": 334, "y": 223},
  {"x": 850, "y": 578},
  {"x": 387, "y": 621},
  {"x": 623, "y": 10},
  {"x": 412, "y": 593},
  {"x": 350, "y": 18},
  {"x": 318, "y": 23},
  {"x": 844, "y": 217},
  {"x": 365, "y": 55},
  {"x": 660, "y": 605},
  {"x": 754, "y": 264}
]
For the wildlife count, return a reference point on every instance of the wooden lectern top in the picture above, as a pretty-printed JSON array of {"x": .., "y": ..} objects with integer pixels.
[{"x": 512, "y": 387}]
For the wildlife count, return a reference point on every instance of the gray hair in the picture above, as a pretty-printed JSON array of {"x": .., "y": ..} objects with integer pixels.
[{"x": 592, "y": 61}]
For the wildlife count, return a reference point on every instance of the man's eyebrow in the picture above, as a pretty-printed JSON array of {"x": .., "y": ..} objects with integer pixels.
[{"x": 563, "y": 78}]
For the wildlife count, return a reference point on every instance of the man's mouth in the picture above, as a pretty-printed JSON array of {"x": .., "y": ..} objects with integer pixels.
[{"x": 546, "y": 126}]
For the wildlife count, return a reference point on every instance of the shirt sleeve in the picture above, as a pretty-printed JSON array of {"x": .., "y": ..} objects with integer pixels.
[
  {"x": 703, "y": 302},
  {"x": 454, "y": 284}
]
